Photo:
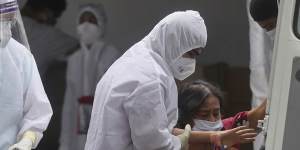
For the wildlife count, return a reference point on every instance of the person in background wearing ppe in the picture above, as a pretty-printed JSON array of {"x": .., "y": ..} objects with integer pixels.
[
  {"x": 258, "y": 40},
  {"x": 48, "y": 44},
  {"x": 200, "y": 105},
  {"x": 135, "y": 104},
  {"x": 85, "y": 68},
  {"x": 264, "y": 13},
  {"x": 25, "y": 109}
]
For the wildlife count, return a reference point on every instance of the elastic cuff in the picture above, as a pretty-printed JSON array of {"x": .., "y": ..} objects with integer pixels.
[
  {"x": 35, "y": 136},
  {"x": 30, "y": 135}
]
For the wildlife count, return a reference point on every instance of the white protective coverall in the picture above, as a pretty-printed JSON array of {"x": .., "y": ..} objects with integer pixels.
[
  {"x": 261, "y": 50},
  {"x": 261, "y": 47},
  {"x": 135, "y": 105},
  {"x": 85, "y": 69},
  {"x": 24, "y": 103}
]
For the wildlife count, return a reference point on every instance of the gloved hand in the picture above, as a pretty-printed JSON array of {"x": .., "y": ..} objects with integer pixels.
[
  {"x": 26, "y": 142},
  {"x": 184, "y": 137}
]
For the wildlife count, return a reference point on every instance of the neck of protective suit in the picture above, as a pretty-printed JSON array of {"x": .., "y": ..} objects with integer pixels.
[
  {"x": 203, "y": 125},
  {"x": 175, "y": 35},
  {"x": 89, "y": 32},
  {"x": 272, "y": 34},
  {"x": 98, "y": 45}
]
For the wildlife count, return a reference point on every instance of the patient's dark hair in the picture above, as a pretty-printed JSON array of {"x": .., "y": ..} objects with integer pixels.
[
  {"x": 57, "y": 6},
  {"x": 261, "y": 10},
  {"x": 191, "y": 97}
]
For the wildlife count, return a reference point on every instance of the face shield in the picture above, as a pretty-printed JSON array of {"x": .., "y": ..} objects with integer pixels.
[{"x": 11, "y": 24}]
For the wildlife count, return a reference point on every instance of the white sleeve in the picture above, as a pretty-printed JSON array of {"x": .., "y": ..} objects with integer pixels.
[
  {"x": 37, "y": 109},
  {"x": 258, "y": 64},
  {"x": 148, "y": 119}
]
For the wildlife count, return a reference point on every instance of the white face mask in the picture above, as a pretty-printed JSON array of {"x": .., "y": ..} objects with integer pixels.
[
  {"x": 183, "y": 67},
  {"x": 203, "y": 125},
  {"x": 89, "y": 33},
  {"x": 5, "y": 34},
  {"x": 272, "y": 34}
]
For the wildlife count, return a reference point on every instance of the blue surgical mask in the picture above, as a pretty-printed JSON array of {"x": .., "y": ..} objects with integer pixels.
[{"x": 203, "y": 125}]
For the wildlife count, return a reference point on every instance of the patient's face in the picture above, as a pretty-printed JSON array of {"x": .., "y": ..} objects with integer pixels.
[{"x": 210, "y": 110}]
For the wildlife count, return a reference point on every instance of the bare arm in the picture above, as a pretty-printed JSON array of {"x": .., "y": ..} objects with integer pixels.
[
  {"x": 228, "y": 137},
  {"x": 256, "y": 114}
]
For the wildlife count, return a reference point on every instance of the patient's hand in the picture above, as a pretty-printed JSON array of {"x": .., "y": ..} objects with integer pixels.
[
  {"x": 237, "y": 135},
  {"x": 256, "y": 114}
]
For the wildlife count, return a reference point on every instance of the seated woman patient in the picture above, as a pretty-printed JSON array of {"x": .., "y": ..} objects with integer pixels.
[{"x": 200, "y": 105}]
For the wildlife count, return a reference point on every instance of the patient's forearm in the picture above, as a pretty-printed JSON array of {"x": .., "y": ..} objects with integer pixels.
[
  {"x": 256, "y": 114},
  {"x": 196, "y": 136},
  {"x": 201, "y": 136}
]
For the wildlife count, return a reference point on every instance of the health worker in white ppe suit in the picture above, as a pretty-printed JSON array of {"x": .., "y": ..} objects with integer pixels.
[
  {"x": 85, "y": 68},
  {"x": 135, "y": 105},
  {"x": 25, "y": 109},
  {"x": 263, "y": 14}
]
